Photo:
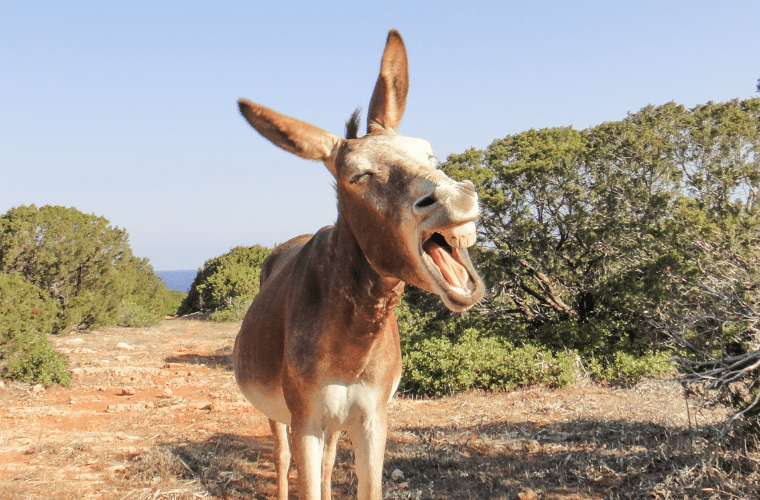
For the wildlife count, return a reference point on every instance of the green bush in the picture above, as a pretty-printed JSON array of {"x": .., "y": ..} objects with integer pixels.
[
  {"x": 227, "y": 284},
  {"x": 26, "y": 314},
  {"x": 149, "y": 300},
  {"x": 61, "y": 269},
  {"x": 37, "y": 362},
  {"x": 626, "y": 367},
  {"x": 83, "y": 264},
  {"x": 447, "y": 353},
  {"x": 438, "y": 366},
  {"x": 172, "y": 300}
]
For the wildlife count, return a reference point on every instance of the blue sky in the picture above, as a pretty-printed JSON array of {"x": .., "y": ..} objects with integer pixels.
[{"x": 128, "y": 109}]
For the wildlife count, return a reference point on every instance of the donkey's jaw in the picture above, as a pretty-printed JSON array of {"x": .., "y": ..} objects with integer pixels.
[{"x": 447, "y": 264}]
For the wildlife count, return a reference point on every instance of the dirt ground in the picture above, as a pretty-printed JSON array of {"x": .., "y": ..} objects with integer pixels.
[{"x": 154, "y": 413}]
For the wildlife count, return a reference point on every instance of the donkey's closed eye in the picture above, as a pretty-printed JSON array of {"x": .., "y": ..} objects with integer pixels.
[{"x": 361, "y": 177}]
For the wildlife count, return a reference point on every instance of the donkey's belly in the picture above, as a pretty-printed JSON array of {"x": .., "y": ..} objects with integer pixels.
[{"x": 269, "y": 401}]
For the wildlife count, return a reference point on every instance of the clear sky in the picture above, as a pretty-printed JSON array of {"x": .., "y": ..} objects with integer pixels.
[{"x": 128, "y": 109}]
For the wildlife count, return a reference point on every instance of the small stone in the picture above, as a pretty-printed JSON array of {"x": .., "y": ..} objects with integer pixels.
[
  {"x": 528, "y": 494},
  {"x": 72, "y": 401},
  {"x": 204, "y": 406},
  {"x": 38, "y": 389},
  {"x": 123, "y": 346},
  {"x": 149, "y": 404},
  {"x": 100, "y": 388},
  {"x": 128, "y": 391},
  {"x": 167, "y": 393},
  {"x": 76, "y": 341},
  {"x": 122, "y": 358},
  {"x": 397, "y": 475}
]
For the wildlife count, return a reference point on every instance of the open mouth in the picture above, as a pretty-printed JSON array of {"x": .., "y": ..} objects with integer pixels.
[{"x": 447, "y": 254}]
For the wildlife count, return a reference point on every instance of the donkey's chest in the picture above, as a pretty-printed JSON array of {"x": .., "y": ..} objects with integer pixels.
[{"x": 341, "y": 406}]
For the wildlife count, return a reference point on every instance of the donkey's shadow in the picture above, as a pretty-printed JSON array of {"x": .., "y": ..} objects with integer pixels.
[{"x": 232, "y": 466}]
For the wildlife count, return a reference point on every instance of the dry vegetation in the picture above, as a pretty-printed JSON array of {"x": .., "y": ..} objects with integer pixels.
[{"x": 161, "y": 418}]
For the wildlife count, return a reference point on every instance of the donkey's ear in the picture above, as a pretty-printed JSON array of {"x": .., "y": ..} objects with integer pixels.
[
  {"x": 293, "y": 135},
  {"x": 389, "y": 98}
]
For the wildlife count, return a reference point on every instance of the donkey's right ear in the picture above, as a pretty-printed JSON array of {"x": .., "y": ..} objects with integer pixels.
[
  {"x": 389, "y": 97},
  {"x": 293, "y": 135}
]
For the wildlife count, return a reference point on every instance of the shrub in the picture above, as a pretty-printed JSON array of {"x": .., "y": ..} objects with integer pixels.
[
  {"x": 26, "y": 314},
  {"x": 626, "y": 367},
  {"x": 83, "y": 264},
  {"x": 227, "y": 284},
  {"x": 149, "y": 300},
  {"x": 172, "y": 300},
  {"x": 37, "y": 362},
  {"x": 446, "y": 353},
  {"x": 438, "y": 366}
]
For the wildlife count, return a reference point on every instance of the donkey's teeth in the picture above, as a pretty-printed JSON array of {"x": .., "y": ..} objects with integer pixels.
[{"x": 461, "y": 236}]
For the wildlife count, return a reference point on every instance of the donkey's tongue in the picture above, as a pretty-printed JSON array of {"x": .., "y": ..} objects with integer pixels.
[{"x": 453, "y": 272}]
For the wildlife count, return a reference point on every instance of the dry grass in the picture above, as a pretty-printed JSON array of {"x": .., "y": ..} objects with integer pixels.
[{"x": 186, "y": 433}]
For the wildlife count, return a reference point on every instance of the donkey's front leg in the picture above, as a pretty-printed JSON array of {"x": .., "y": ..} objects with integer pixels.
[
  {"x": 308, "y": 444},
  {"x": 328, "y": 461},
  {"x": 369, "y": 449}
]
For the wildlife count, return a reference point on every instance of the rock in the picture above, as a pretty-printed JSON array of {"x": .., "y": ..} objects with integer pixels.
[
  {"x": 528, "y": 494},
  {"x": 76, "y": 341},
  {"x": 128, "y": 391},
  {"x": 123, "y": 407},
  {"x": 397, "y": 475},
  {"x": 38, "y": 389},
  {"x": 123, "y": 346},
  {"x": 167, "y": 393}
]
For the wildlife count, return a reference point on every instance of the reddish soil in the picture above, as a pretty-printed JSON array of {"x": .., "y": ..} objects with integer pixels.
[{"x": 155, "y": 413}]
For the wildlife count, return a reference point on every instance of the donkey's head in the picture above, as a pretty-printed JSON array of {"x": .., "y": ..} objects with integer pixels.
[{"x": 410, "y": 220}]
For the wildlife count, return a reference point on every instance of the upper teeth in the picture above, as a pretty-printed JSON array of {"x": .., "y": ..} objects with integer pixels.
[{"x": 461, "y": 236}]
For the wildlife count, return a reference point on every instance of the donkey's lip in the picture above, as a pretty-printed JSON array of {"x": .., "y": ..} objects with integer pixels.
[
  {"x": 461, "y": 236},
  {"x": 444, "y": 254}
]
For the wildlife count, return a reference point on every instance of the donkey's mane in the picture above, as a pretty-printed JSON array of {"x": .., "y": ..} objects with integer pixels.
[{"x": 352, "y": 124}]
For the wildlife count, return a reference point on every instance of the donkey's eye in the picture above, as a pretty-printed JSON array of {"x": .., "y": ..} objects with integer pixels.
[{"x": 361, "y": 177}]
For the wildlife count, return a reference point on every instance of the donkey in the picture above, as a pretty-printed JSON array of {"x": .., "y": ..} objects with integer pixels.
[{"x": 318, "y": 351}]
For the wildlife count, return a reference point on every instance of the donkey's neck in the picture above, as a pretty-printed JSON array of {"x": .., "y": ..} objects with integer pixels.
[{"x": 368, "y": 298}]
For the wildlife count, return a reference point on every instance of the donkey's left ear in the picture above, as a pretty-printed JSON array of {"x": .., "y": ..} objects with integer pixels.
[
  {"x": 389, "y": 97},
  {"x": 293, "y": 135}
]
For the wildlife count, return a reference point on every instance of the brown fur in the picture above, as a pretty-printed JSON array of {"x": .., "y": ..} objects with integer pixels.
[{"x": 319, "y": 350}]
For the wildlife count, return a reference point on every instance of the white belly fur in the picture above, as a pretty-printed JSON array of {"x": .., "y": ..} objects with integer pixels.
[
  {"x": 337, "y": 405},
  {"x": 269, "y": 402}
]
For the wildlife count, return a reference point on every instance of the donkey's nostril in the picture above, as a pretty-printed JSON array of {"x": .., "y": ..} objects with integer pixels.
[{"x": 425, "y": 201}]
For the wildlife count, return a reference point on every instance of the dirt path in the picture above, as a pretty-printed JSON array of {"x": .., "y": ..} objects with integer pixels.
[{"x": 155, "y": 413}]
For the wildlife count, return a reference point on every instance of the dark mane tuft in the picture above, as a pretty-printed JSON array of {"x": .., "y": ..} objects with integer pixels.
[{"x": 352, "y": 124}]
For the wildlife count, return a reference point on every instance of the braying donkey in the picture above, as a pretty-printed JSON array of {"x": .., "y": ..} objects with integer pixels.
[{"x": 318, "y": 351}]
